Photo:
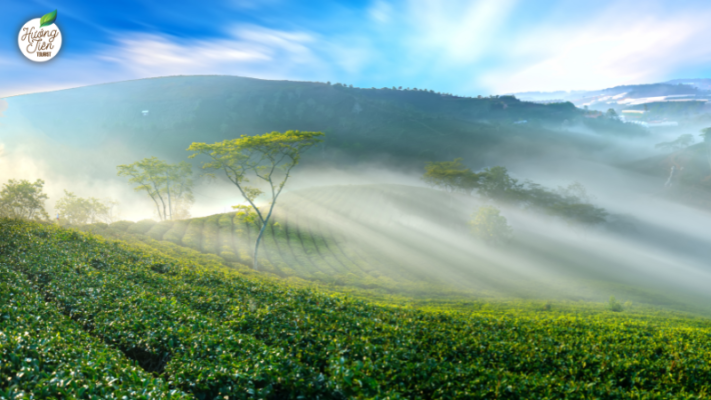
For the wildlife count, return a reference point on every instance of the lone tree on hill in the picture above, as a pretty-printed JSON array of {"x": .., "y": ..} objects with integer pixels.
[
  {"x": 170, "y": 186},
  {"x": 23, "y": 200},
  {"x": 269, "y": 157}
]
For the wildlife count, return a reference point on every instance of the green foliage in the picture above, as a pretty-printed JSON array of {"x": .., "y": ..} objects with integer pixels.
[
  {"x": 586, "y": 214},
  {"x": 212, "y": 333},
  {"x": 496, "y": 184},
  {"x": 170, "y": 186},
  {"x": 23, "y": 200},
  {"x": 75, "y": 210},
  {"x": 45, "y": 354},
  {"x": 572, "y": 203},
  {"x": 614, "y": 305},
  {"x": 490, "y": 226},
  {"x": 269, "y": 157},
  {"x": 451, "y": 176}
]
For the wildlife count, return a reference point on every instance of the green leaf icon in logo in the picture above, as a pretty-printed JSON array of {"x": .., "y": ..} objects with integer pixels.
[{"x": 48, "y": 19}]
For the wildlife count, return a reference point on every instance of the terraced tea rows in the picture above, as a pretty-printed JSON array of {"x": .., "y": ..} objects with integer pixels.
[
  {"x": 47, "y": 355},
  {"x": 396, "y": 239},
  {"x": 208, "y": 333},
  {"x": 303, "y": 239}
]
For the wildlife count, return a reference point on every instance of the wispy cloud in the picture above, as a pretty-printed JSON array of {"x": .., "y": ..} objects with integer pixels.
[
  {"x": 380, "y": 11},
  {"x": 166, "y": 55},
  {"x": 608, "y": 50},
  {"x": 460, "y": 46},
  {"x": 458, "y": 31}
]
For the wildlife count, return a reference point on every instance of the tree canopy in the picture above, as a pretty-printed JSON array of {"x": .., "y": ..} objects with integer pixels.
[
  {"x": 572, "y": 203},
  {"x": 269, "y": 158},
  {"x": 75, "y": 210},
  {"x": 452, "y": 176},
  {"x": 23, "y": 200},
  {"x": 490, "y": 226},
  {"x": 168, "y": 185},
  {"x": 497, "y": 184}
]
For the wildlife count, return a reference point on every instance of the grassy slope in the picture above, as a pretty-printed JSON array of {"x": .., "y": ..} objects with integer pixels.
[{"x": 207, "y": 331}]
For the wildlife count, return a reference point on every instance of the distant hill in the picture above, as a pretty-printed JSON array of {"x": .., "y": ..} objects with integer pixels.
[
  {"x": 681, "y": 99},
  {"x": 162, "y": 116}
]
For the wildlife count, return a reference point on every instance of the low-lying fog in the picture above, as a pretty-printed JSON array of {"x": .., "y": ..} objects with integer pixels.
[{"x": 665, "y": 257}]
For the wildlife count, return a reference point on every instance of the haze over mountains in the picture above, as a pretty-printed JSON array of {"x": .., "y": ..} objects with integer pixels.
[
  {"x": 675, "y": 99},
  {"x": 74, "y": 139},
  {"x": 80, "y": 135}
]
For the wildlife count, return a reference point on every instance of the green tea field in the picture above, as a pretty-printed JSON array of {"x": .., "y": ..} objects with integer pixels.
[{"x": 84, "y": 317}]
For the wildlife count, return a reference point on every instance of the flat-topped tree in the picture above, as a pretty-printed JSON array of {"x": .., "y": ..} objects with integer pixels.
[{"x": 269, "y": 157}]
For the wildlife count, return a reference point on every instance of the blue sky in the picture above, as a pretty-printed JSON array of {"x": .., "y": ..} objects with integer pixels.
[{"x": 463, "y": 47}]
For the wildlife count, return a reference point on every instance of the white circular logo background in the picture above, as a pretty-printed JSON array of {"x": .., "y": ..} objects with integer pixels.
[{"x": 39, "y": 44}]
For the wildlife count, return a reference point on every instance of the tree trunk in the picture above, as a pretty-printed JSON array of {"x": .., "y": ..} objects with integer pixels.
[
  {"x": 261, "y": 232},
  {"x": 170, "y": 203}
]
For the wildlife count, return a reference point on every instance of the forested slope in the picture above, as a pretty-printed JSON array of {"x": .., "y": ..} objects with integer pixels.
[{"x": 163, "y": 116}]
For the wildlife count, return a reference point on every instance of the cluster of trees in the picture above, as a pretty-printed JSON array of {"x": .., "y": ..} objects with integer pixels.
[
  {"x": 267, "y": 158},
  {"x": 571, "y": 203},
  {"x": 22, "y": 199},
  {"x": 75, "y": 210},
  {"x": 413, "y": 89},
  {"x": 170, "y": 186}
]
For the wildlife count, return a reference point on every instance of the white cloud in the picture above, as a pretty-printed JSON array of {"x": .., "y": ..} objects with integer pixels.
[
  {"x": 459, "y": 31},
  {"x": 494, "y": 45},
  {"x": 604, "y": 52},
  {"x": 245, "y": 49},
  {"x": 459, "y": 46}
]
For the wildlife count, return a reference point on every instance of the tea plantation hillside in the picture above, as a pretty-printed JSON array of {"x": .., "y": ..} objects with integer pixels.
[
  {"x": 397, "y": 239},
  {"x": 84, "y": 318},
  {"x": 305, "y": 238}
]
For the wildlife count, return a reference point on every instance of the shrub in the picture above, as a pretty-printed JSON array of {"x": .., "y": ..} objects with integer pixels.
[
  {"x": 614, "y": 305},
  {"x": 490, "y": 226}
]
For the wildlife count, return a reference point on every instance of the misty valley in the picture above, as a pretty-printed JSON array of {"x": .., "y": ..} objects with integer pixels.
[{"x": 205, "y": 237}]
